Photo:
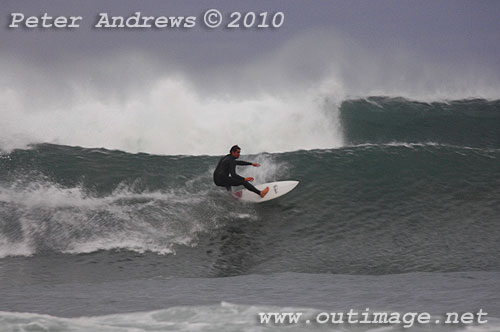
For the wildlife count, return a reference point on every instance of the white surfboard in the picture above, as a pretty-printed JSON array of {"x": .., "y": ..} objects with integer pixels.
[{"x": 276, "y": 189}]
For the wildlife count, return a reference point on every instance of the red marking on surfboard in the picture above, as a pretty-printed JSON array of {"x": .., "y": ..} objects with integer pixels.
[{"x": 238, "y": 193}]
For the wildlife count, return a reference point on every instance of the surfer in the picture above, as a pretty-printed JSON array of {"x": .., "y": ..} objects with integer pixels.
[{"x": 225, "y": 172}]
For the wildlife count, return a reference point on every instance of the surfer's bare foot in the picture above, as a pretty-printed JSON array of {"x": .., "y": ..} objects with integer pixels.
[{"x": 264, "y": 192}]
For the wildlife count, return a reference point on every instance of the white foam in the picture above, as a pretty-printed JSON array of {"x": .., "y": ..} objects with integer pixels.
[
  {"x": 168, "y": 117},
  {"x": 43, "y": 215},
  {"x": 217, "y": 317},
  {"x": 9, "y": 248}
]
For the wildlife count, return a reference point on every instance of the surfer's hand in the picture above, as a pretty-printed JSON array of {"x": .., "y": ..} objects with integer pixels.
[
  {"x": 249, "y": 179},
  {"x": 255, "y": 164}
]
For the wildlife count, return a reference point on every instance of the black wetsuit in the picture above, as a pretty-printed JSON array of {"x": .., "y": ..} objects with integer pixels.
[{"x": 225, "y": 174}]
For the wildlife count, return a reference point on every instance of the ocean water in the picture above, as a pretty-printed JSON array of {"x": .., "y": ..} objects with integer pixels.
[{"x": 401, "y": 214}]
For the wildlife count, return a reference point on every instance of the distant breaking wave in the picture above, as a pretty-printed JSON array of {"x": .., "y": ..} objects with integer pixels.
[{"x": 310, "y": 92}]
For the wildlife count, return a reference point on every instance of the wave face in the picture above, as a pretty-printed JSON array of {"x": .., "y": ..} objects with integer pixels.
[
  {"x": 473, "y": 123},
  {"x": 411, "y": 194}
]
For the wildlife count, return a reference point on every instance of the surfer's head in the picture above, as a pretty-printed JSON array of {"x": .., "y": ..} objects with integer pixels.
[{"x": 235, "y": 151}]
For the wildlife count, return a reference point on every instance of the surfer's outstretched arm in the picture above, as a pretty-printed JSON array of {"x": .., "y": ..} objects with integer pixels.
[{"x": 246, "y": 163}]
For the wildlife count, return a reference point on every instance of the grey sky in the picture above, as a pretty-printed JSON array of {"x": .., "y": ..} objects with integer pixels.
[{"x": 462, "y": 31}]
